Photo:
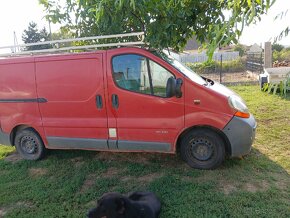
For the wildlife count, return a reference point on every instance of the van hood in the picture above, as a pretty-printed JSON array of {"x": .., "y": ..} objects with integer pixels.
[{"x": 221, "y": 89}]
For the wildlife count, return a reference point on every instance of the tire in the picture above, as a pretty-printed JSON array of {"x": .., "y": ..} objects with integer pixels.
[
  {"x": 202, "y": 149},
  {"x": 29, "y": 144}
]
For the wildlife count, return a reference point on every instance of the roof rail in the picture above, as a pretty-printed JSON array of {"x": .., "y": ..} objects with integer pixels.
[{"x": 55, "y": 44}]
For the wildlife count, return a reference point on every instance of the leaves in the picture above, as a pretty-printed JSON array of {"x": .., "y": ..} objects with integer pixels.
[
  {"x": 166, "y": 23},
  {"x": 32, "y": 35}
]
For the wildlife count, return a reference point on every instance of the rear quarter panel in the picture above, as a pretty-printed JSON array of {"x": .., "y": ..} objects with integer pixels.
[{"x": 17, "y": 81}]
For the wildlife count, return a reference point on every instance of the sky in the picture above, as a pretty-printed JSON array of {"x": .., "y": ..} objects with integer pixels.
[{"x": 16, "y": 14}]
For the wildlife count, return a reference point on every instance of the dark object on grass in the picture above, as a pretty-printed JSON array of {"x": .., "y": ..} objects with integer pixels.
[{"x": 135, "y": 205}]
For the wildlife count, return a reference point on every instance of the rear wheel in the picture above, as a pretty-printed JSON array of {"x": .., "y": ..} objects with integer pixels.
[
  {"x": 202, "y": 149},
  {"x": 29, "y": 144}
]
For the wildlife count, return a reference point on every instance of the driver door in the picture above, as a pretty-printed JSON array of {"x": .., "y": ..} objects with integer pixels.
[{"x": 144, "y": 118}]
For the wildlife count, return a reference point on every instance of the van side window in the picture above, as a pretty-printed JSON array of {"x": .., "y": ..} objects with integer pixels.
[{"x": 140, "y": 74}]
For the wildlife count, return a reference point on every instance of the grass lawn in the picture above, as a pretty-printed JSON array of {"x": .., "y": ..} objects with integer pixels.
[{"x": 67, "y": 183}]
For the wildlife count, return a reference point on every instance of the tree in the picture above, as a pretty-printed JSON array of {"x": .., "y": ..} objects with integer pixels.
[
  {"x": 241, "y": 49},
  {"x": 166, "y": 23},
  {"x": 284, "y": 32},
  {"x": 277, "y": 47},
  {"x": 32, "y": 35}
]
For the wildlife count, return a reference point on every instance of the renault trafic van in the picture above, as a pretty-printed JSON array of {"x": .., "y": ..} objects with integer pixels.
[{"x": 122, "y": 100}]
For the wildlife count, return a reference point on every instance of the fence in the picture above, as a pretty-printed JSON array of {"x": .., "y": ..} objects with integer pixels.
[
  {"x": 228, "y": 68},
  {"x": 202, "y": 57},
  {"x": 255, "y": 62}
]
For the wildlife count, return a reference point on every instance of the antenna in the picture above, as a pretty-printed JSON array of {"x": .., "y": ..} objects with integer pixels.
[{"x": 15, "y": 48}]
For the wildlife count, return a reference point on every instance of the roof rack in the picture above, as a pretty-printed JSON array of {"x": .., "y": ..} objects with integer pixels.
[{"x": 55, "y": 44}]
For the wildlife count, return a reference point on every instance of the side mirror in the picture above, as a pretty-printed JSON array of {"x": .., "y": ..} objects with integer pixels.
[
  {"x": 178, "y": 92},
  {"x": 173, "y": 87},
  {"x": 170, "y": 87}
]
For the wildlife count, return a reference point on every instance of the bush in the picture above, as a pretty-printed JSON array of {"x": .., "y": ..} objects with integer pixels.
[
  {"x": 241, "y": 49},
  {"x": 277, "y": 47},
  {"x": 215, "y": 66},
  {"x": 283, "y": 55}
]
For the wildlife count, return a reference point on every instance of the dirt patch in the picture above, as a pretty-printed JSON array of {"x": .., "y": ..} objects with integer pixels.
[
  {"x": 282, "y": 185},
  {"x": 228, "y": 188},
  {"x": 143, "y": 179},
  {"x": 78, "y": 161},
  {"x": 37, "y": 172},
  {"x": 250, "y": 187},
  {"x": 111, "y": 172},
  {"x": 88, "y": 183},
  {"x": 5, "y": 210},
  {"x": 2, "y": 212},
  {"x": 281, "y": 180},
  {"x": 149, "y": 177},
  {"x": 13, "y": 157},
  {"x": 253, "y": 187},
  {"x": 143, "y": 158}
]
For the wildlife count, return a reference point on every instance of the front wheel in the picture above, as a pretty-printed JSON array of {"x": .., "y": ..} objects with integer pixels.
[
  {"x": 202, "y": 149},
  {"x": 29, "y": 144}
]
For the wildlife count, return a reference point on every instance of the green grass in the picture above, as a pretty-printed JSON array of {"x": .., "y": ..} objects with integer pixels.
[{"x": 68, "y": 183}]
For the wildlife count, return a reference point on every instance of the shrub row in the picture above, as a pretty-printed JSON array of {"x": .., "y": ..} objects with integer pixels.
[{"x": 237, "y": 65}]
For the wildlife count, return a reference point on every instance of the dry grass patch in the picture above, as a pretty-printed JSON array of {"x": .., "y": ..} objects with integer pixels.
[
  {"x": 112, "y": 172},
  {"x": 143, "y": 158},
  {"x": 13, "y": 157},
  {"x": 88, "y": 183},
  {"x": 143, "y": 179},
  {"x": 2, "y": 212},
  {"x": 37, "y": 172},
  {"x": 256, "y": 187},
  {"x": 7, "y": 209},
  {"x": 78, "y": 161},
  {"x": 228, "y": 188}
]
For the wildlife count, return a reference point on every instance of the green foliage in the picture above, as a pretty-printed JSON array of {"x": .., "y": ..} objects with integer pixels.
[
  {"x": 203, "y": 67},
  {"x": 277, "y": 47},
  {"x": 166, "y": 23},
  {"x": 32, "y": 35},
  {"x": 283, "y": 55},
  {"x": 237, "y": 65},
  {"x": 241, "y": 49},
  {"x": 284, "y": 32}
]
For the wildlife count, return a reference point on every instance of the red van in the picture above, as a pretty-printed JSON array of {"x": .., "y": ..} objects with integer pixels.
[{"x": 122, "y": 100}]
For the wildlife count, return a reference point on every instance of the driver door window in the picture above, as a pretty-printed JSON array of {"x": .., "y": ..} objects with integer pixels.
[{"x": 139, "y": 74}]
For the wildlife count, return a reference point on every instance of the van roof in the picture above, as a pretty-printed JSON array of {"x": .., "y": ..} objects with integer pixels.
[
  {"x": 56, "y": 56},
  {"x": 75, "y": 44}
]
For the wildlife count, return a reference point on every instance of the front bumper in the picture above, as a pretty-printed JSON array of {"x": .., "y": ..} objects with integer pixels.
[
  {"x": 4, "y": 138},
  {"x": 241, "y": 134}
]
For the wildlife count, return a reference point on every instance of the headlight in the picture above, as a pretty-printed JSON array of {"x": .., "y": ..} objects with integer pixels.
[{"x": 238, "y": 104}]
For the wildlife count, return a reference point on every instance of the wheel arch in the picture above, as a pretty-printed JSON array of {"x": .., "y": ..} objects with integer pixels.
[
  {"x": 217, "y": 131},
  {"x": 19, "y": 128}
]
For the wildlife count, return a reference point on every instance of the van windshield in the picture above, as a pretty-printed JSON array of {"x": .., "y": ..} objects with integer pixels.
[{"x": 180, "y": 67}]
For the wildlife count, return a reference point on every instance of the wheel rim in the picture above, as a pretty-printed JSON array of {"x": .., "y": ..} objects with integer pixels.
[
  {"x": 28, "y": 145},
  {"x": 201, "y": 149}
]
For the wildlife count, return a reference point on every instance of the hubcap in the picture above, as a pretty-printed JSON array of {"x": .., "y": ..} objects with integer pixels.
[
  {"x": 28, "y": 144},
  {"x": 201, "y": 149}
]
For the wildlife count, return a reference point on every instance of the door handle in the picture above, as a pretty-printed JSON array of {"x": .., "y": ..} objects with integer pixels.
[
  {"x": 99, "y": 102},
  {"x": 115, "y": 101}
]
